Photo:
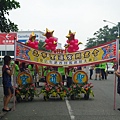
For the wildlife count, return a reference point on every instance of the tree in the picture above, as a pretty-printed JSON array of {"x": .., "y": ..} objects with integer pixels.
[
  {"x": 103, "y": 35},
  {"x": 6, "y": 25},
  {"x": 91, "y": 42}
]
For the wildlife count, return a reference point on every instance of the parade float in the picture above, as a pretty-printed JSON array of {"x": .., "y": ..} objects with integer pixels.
[
  {"x": 54, "y": 86},
  {"x": 71, "y": 58},
  {"x": 25, "y": 89},
  {"x": 80, "y": 87}
]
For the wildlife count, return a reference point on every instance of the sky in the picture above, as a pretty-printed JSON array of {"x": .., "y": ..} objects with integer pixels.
[{"x": 84, "y": 17}]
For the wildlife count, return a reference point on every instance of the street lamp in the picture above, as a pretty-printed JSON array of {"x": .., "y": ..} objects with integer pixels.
[{"x": 116, "y": 25}]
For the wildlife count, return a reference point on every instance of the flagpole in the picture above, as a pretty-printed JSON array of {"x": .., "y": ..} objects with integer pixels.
[
  {"x": 117, "y": 58},
  {"x": 14, "y": 76}
]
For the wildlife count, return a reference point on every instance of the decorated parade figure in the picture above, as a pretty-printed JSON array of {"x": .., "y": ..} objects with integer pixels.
[
  {"x": 72, "y": 43},
  {"x": 32, "y": 42},
  {"x": 26, "y": 88},
  {"x": 50, "y": 41}
]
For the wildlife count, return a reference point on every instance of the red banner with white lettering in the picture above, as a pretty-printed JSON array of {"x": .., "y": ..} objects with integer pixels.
[{"x": 7, "y": 38}]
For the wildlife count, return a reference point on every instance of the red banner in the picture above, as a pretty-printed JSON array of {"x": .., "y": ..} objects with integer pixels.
[{"x": 7, "y": 38}]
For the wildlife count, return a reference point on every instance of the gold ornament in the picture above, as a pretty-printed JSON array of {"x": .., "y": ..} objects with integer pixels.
[
  {"x": 80, "y": 43},
  {"x": 71, "y": 35},
  {"x": 32, "y": 36},
  {"x": 66, "y": 45},
  {"x": 48, "y": 33},
  {"x": 55, "y": 43}
]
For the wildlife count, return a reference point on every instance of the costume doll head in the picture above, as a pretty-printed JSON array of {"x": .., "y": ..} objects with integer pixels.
[{"x": 32, "y": 37}]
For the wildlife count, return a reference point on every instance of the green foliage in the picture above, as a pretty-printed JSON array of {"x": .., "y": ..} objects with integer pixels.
[
  {"x": 25, "y": 92},
  {"x": 54, "y": 90},
  {"x": 76, "y": 90},
  {"x": 40, "y": 46},
  {"x": 6, "y": 25},
  {"x": 103, "y": 35}
]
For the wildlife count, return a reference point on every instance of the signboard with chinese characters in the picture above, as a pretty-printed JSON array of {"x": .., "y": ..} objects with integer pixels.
[
  {"x": 80, "y": 77},
  {"x": 7, "y": 38},
  {"x": 103, "y": 53},
  {"x": 53, "y": 78},
  {"x": 24, "y": 78}
]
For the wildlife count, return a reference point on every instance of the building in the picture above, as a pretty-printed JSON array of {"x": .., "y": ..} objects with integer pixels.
[
  {"x": 7, "y": 41},
  {"x": 23, "y": 36},
  {"x": 7, "y": 44}
]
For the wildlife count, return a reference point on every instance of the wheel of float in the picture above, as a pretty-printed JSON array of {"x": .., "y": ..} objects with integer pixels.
[
  {"x": 26, "y": 98},
  {"x": 72, "y": 97},
  {"x": 18, "y": 98},
  {"x": 86, "y": 96},
  {"x": 62, "y": 98},
  {"x": 46, "y": 98},
  {"x": 31, "y": 98}
]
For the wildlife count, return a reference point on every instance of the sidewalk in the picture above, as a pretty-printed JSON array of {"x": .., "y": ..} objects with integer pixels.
[
  {"x": 10, "y": 104},
  {"x": 1, "y": 102}
]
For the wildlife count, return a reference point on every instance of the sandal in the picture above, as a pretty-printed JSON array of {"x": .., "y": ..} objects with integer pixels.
[{"x": 4, "y": 110}]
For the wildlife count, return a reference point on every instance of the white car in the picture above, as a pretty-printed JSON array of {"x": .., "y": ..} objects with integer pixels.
[{"x": 110, "y": 67}]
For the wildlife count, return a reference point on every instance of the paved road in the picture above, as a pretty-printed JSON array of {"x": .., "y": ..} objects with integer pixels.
[{"x": 98, "y": 108}]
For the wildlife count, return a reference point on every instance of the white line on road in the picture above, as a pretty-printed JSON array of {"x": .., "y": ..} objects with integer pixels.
[{"x": 70, "y": 110}]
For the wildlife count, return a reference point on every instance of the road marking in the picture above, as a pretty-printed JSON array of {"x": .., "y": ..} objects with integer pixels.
[{"x": 70, "y": 110}]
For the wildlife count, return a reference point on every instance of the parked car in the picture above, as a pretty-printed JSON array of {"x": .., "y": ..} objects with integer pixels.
[{"x": 110, "y": 67}]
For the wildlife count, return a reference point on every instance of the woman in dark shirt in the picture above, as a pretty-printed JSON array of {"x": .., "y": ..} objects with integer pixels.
[{"x": 7, "y": 85}]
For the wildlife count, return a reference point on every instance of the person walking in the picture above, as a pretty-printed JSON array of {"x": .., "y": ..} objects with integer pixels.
[
  {"x": 91, "y": 68},
  {"x": 69, "y": 77},
  {"x": 23, "y": 67},
  {"x": 32, "y": 70},
  {"x": 17, "y": 70},
  {"x": 97, "y": 71},
  {"x": 103, "y": 71},
  {"x": 61, "y": 70},
  {"x": 7, "y": 85}
]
